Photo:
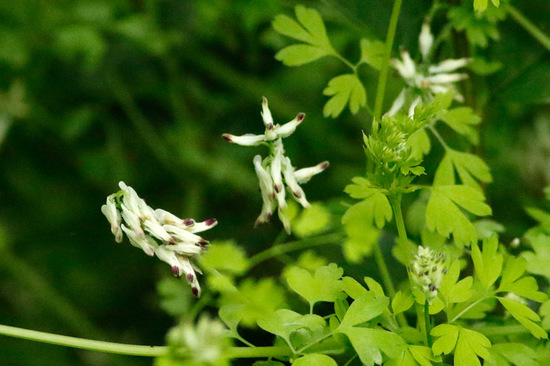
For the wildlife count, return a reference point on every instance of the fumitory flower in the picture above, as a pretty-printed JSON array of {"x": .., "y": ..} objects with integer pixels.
[
  {"x": 427, "y": 271},
  {"x": 424, "y": 80},
  {"x": 158, "y": 232},
  {"x": 276, "y": 168}
]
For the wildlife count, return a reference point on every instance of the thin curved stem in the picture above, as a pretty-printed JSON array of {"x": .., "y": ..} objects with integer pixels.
[
  {"x": 530, "y": 27},
  {"x": 131, "y": 349},
  {"x": 381, "y": 89},
  {"x": 277, "y": 250},
  {"x": 427, "y": 324},
  {"x": 457, "y": 316}
]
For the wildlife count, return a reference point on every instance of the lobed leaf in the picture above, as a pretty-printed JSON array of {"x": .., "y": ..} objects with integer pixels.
[
  {"x": 364, "y": 308},
  {"x": 343, "y": 89},
  {"x": 462, "y": 120},
  {"x": 444, "y": 216},
  {"x": 487, "y": 263},
  {"x": 371, "y": 343},
  {"x": 467, "y": 344},
  {"x": 324, "y": 285},
  {"x": 372, "y": 53},
  {"x": 508, "y": 354},
  {"x": 525, "y": 316}
]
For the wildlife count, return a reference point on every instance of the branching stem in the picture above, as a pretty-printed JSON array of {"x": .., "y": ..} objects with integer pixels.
[
  {"x": 529, "y": 26},
  {"x": 381, "y": 89}
]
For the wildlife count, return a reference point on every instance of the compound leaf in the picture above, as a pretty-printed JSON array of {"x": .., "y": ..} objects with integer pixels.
[
  {"x": 463, "y": 120},
  {"x": 364, "y": 308},
  {"x": 487, "y": 263},
  {"x": 467, "y": 344},
  {"x": 525, "y": 316},
  {"x": 343, "y": 89},
  {"x": 324, "y": 285},
  {"x": 371, "y": 343},
  {"x": 372, "y": 53}
]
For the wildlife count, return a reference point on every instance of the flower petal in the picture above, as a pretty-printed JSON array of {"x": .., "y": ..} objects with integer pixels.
[
  {"x": 304, "y": 175},
  {"x": 245, "y": 140}
]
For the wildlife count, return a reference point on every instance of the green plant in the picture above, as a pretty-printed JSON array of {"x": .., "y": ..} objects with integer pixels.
[{"x": 461, "y": 295}]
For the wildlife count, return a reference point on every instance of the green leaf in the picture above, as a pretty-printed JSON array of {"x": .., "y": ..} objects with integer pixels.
[
  {"x": 361, "y": 188},
  {"x": 443, "y": 215},
  {"x": 225, "y": 256},
  {"x": 453, "y": 291},
  {"x": 364, "y": 308},
  {"x": 309, "y": 29},
  {"x": 525, "y": 316},
  {"x": 480, "y": 5},
  {"x": 537, "y": 262},
  {"x": 470, "y": 169},
  {"x": 463, "y": 121},
  {"x": 419, "y": 144},
  {"x": 467, "y": 344},
  {"x": 258, "y": 299},
  {"x": 401, "y": 302},
  {"x": 175, "y": 299},
  {"x": 363, "y": 220},
  {"x": 372, "y": 53},
  {"x": 311, "y": 221},
  {"x": 371, "y": 343},
  {"x": 315, "y": 359},
  {"x": 299, "y": 54},
  {"x": 374, "y": 286},
  {"x": 324, "y": 285},
  {"x": 284, "y": 323},
  {"x": 511, "y": 281},
  {"x": 488, "y": 264},
  {"x": 423, "y": 355},
  {"x": 512, "y": 354},
  {"x": 353, "y": 288},
  {"x": 268, "y": 363},
  {"x": 343, "y": 89}
]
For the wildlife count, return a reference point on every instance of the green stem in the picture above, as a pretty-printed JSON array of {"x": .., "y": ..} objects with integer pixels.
[
  {"x": 131, "y": 349},
  {"x": 395, "y": 201},
  {"x": 529, "y": 26},
  {"x": 457, "y": 316},
  {"x": 277, "y": 250},
  {"x": 427, "y": 325},
  {"x": 87, "y": 344},
  {"x": 439, "y": 138},
  {"x": 381, "y": 89},
  {"x": 384, "y": 272}
]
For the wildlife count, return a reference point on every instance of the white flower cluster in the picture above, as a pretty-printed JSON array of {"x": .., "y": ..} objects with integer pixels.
[
  {"x": 425, "y": 80},
  {"x": 276, "y": 168},
  {"x": 427, "y": 271},
  {"x": 158, "y": 232}
]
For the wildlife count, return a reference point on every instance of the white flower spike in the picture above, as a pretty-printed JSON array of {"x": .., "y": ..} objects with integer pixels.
[
  {"x": 425, "y": 80},
  {"x": 276, "y": 170},
  {"x": 158, "y": 232}
]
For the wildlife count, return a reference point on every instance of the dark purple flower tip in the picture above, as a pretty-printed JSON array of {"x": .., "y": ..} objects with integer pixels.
[
  {"x": 268, "y": 217},
  {"x": 270, "y": 126},
  {"x": 211, "y": 222},
  {"x": 172, "y": 241},
  {"x": 203, "y": 243},
  {"x": 324, "y": 165},
  {"x": 195, "y": 291},
  {"x": 300, "y": 117},
  {"x": 273, "y": 195},
  {"x": 190, "y": 278},
  {"x": 176, "y": 271},
  {"x": 188, "y": 222},
  {"x": 297, "y": 194},
  {"x": 277, "y": 188},
  {"x": 227, "y": 137}
]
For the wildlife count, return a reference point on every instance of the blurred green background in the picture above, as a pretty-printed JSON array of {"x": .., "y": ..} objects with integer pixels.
[{"x": 94, "y": 92}]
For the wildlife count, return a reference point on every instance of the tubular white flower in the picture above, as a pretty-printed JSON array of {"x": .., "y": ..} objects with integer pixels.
[
  {"x": 276, "y": 170},
  {"x": 266, "y": 113},
  {"x": 446, "y": 78},
  {"x": 425, "y": 40},
  {"x": 288, "y": 128},
  {"x": 425, "y": 80},
  {"x": 113, "y": 216},
  {"x": 297, "y": 191},
  {"x": 158, "y": 232},
  {"x": 305, "y": 174},
  {"x": 245, "y": 140},
  {"x": 413, "y": 106},
  {"x": 139, "y": 241},
  {"x": 449, "y": 65}
]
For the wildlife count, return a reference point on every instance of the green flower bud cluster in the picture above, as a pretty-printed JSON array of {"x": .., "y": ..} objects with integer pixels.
[{"x": 427, "y": 271}]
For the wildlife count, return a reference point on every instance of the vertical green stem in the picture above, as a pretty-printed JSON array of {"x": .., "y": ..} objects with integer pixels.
[
  {"x": 384, "y": 272},
  {"x": 529, "y": 26},
  {"x": 386, "y": 63},
  {"x": 427, "y": 324},
  {"x": 395, "y": 201}
]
